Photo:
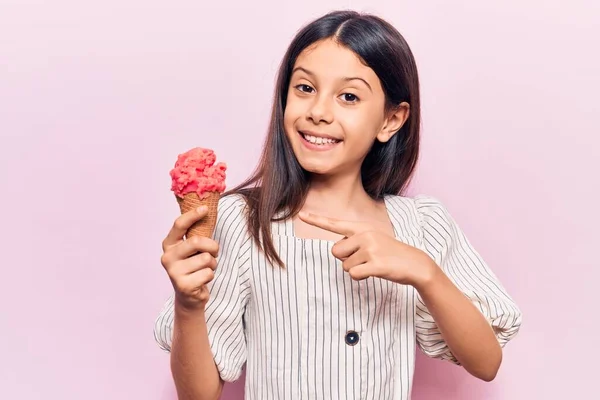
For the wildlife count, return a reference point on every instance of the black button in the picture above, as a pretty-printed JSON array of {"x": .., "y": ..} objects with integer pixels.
[{"x": 352, "y": 338}]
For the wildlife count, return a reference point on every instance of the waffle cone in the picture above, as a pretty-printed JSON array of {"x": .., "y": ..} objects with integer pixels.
[{"x": 206, "y": 225}]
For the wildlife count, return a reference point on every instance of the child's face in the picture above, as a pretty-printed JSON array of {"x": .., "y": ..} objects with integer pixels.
[{"x": 334, "y": 110}]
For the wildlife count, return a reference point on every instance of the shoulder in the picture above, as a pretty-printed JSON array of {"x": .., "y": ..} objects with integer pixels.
[
  {"x": 231, "y": 216},
  {"x": 425, "y": 208},
  {"x": 232, "y": 206},
  {"x": 232, "y": 202},
  {"x": 429, "y": 206}
]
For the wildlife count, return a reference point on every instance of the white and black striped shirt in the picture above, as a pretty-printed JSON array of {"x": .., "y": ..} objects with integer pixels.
[{"x": 311, "y": 332}]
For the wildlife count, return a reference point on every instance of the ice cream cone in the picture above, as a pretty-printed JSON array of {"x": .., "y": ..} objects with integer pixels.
[
  {"x": 206, "y": 225},
  {"x": 197, "y": 181}
]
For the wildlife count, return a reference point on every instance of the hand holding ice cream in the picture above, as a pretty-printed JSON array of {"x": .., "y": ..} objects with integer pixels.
[{"x": 190, "y": 263}]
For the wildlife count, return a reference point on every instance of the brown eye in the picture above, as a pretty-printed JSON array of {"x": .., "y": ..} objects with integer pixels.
[
  {"x": 349, "y": 98},
  {"x": 304, "y": 88}
]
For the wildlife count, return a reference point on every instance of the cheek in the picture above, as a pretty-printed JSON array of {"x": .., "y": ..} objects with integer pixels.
[
  {"x": 362, "y": 128},
  {"x": 291, "y": 115},
  {"x": 288, "y": 122}
]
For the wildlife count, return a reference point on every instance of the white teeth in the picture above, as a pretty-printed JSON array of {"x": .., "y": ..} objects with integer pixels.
[{"x": 319, "y": 140}]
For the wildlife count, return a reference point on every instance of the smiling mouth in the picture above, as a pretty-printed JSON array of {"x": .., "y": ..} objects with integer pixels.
[{"x": 318, "y": 141}]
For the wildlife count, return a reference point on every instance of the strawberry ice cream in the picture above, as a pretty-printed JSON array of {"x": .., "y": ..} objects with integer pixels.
[
  {"x": 196, "y": 172},
  {"x": 196, "y": 180}
]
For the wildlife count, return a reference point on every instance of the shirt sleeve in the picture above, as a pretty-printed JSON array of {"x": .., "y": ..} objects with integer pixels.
[
  {"x": 229, "y": 293},
  {"x": 451, "y": 250}
]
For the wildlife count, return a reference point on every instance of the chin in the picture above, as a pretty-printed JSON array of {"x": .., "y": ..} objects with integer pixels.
[
  {"x": 317, "y": 168},
  {"x": 314, "y": 168}
]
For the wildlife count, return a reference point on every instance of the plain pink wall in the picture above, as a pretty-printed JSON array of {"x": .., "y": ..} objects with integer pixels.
[{"x": 98, "y": 98}]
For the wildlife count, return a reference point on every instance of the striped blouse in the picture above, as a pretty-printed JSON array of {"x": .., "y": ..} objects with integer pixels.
[{"x": 311, "y": 332}]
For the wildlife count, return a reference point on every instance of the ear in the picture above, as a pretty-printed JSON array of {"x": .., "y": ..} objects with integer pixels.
[{"x": 394, "y": 122}]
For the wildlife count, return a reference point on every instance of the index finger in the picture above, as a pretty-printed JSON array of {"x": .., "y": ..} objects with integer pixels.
[
  {"x": 338, "y": 226},
  {"x": 182, "y": 224}
]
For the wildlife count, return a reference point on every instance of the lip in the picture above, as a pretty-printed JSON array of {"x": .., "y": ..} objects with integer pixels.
[
  {"x": 316, "y": 147},
  {"x": 320, "y": 135}
]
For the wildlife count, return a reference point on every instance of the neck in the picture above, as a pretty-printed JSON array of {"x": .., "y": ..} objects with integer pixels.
[{"x": 337, "y": 195}]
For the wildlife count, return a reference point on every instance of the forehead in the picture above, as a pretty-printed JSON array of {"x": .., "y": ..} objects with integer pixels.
[{"x": 328, "y": 59}]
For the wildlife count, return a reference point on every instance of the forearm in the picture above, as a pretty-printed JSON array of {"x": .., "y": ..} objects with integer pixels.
[
  {"x": 194, "y": 371},
  {"x": 465, "y": 330}
]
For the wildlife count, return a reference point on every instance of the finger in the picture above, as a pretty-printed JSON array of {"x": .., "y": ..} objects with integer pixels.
[
  {"x": 197, "y": 263},
  {"x": 182, "y": 224},
  {"x": 203, "y": 276},
  {"x": 195, "y": 281},
  {"x": 193, "y": 245},
  {"x": 345, "y": 247},
  {"x": 362, "y": 271},
  {"x": 354, "y": 260},
  {"x": 345, "y": 228}
]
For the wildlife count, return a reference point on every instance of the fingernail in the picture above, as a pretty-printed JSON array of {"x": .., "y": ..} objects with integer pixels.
[{"x": 201, "y": 209}]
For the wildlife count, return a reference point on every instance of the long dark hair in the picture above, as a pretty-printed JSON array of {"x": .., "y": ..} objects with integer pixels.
[{"x": 279, "y": 183}]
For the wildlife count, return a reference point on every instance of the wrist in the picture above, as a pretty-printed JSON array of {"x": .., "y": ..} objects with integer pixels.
[
  {"x": 427, "y": 275},
  {"x": 185, "y": 311}
]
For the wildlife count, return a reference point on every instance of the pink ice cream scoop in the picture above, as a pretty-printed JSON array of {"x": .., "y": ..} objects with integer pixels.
[
  {"x": 196, "y": 180},
  {"x": 196, "y": 172}
]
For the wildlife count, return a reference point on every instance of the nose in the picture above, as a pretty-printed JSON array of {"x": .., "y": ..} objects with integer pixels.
[{"x": 320, "y": 110}]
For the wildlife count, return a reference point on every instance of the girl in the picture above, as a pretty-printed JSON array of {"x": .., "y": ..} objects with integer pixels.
[{"x": 327, "y": 278}]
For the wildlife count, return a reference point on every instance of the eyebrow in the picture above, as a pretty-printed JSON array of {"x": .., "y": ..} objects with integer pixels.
[{"x": 348, "y": 79}]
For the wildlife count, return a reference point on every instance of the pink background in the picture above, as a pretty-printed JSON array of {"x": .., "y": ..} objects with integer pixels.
[{"x": 97, "y": 99}]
